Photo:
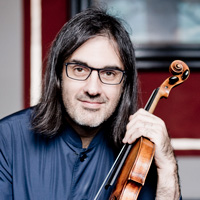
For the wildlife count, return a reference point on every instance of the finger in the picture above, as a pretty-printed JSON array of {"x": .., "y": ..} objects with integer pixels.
[
  {"x": 143, "y": 116},
  {"x": 152, "y": 129},
  {"x": 151, "y": 134}
]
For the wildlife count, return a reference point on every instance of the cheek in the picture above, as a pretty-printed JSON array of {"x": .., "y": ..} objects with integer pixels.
[
  {"x": 114, "y": 94},
  {"x": 70, "y": 90},
  {"x": 68, "y": 85}
]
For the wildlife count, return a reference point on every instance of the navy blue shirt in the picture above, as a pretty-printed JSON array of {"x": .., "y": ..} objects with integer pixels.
[{"x": 36, "y": 168}]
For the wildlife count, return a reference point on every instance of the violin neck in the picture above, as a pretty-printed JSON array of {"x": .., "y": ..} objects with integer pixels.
[{"x": 153, "y": 100}]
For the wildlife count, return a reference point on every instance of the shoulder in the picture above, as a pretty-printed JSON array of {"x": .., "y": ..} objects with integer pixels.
[
  {"x": 18, "y": 117},
  {"x": 16, "y": 123},
  {"x": 15, "y": 131}
]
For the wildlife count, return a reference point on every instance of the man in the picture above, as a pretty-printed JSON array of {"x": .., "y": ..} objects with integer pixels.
[{"x": 64, "y": 147}]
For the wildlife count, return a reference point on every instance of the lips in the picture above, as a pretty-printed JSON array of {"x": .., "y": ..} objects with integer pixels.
[{"x": 91, "y": 103}]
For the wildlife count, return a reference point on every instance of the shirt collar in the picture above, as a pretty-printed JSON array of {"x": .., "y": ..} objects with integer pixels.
[{"x": 72, "y": 138}]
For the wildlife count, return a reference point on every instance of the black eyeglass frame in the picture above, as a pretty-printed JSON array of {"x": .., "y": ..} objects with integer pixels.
[{"x": 96, "y": 69}]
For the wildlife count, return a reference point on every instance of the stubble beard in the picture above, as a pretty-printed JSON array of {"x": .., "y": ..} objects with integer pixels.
[{"x": 89, "y": 117}]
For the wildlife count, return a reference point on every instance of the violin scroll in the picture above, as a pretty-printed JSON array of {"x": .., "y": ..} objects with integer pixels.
[
  {"x": 180, "y": 72},
  {"x": 176, "y": 68}
]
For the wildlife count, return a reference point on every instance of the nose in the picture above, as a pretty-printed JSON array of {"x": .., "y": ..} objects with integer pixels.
[{"x": 93, "y": 84}]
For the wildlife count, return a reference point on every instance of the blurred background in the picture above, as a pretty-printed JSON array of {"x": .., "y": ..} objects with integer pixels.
[{"x": 161, "y": 31}]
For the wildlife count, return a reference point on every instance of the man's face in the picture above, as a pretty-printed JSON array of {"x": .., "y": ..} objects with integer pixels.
[{"x": 91, "y": 102}]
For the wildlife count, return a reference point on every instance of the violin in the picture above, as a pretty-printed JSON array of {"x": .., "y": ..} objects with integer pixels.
[{"x": 132, "y": 164}]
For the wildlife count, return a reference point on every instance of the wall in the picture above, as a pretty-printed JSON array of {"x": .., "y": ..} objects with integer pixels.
[{"x": 11, "y": 58}]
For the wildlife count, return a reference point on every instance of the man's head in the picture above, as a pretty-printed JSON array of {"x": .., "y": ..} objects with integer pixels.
[
  {"x": 90, "y": 100},
  {"x": 88, "y": 27}
]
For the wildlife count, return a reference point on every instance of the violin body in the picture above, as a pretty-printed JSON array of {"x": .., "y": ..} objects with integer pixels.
[{"x": 133, "y": 176}]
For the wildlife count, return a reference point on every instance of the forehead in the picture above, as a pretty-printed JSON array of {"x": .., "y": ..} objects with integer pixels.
[{"x": 98, "y": 52}]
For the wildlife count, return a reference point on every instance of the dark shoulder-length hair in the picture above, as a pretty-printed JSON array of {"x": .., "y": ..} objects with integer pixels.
[{"x": 48, "y": 115}]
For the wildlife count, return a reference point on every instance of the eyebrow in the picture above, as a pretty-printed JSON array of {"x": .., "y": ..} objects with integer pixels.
[{"x": 105, "y": 67}]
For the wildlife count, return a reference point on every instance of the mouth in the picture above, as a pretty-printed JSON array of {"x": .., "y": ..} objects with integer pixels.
[
  {"x": 94, "y": 103},
  {"x": 91, "y": 104}
]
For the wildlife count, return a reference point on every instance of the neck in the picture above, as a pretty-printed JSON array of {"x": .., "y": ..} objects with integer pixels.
[{"x": 86, "y": 133}]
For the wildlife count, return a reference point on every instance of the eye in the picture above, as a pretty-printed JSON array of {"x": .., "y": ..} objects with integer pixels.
[
  {"x": 108, "y": 73},
  {"x": 78, "y": 69}
]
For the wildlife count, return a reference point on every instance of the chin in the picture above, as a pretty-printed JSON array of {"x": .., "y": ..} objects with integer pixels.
[
  {"x": 92, "y": 122},
  {"x": 90, "y": 119},
  {"x": 89, "y": 124}
]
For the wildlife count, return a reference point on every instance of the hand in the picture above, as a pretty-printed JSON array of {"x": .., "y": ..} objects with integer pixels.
[{"x": 143, "y": 123}]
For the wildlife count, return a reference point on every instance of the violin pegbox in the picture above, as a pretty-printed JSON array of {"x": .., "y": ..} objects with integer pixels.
[{"x": 180, "y": 72}]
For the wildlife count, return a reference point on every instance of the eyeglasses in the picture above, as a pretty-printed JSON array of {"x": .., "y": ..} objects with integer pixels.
[{"x": 81, "y": 72}]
